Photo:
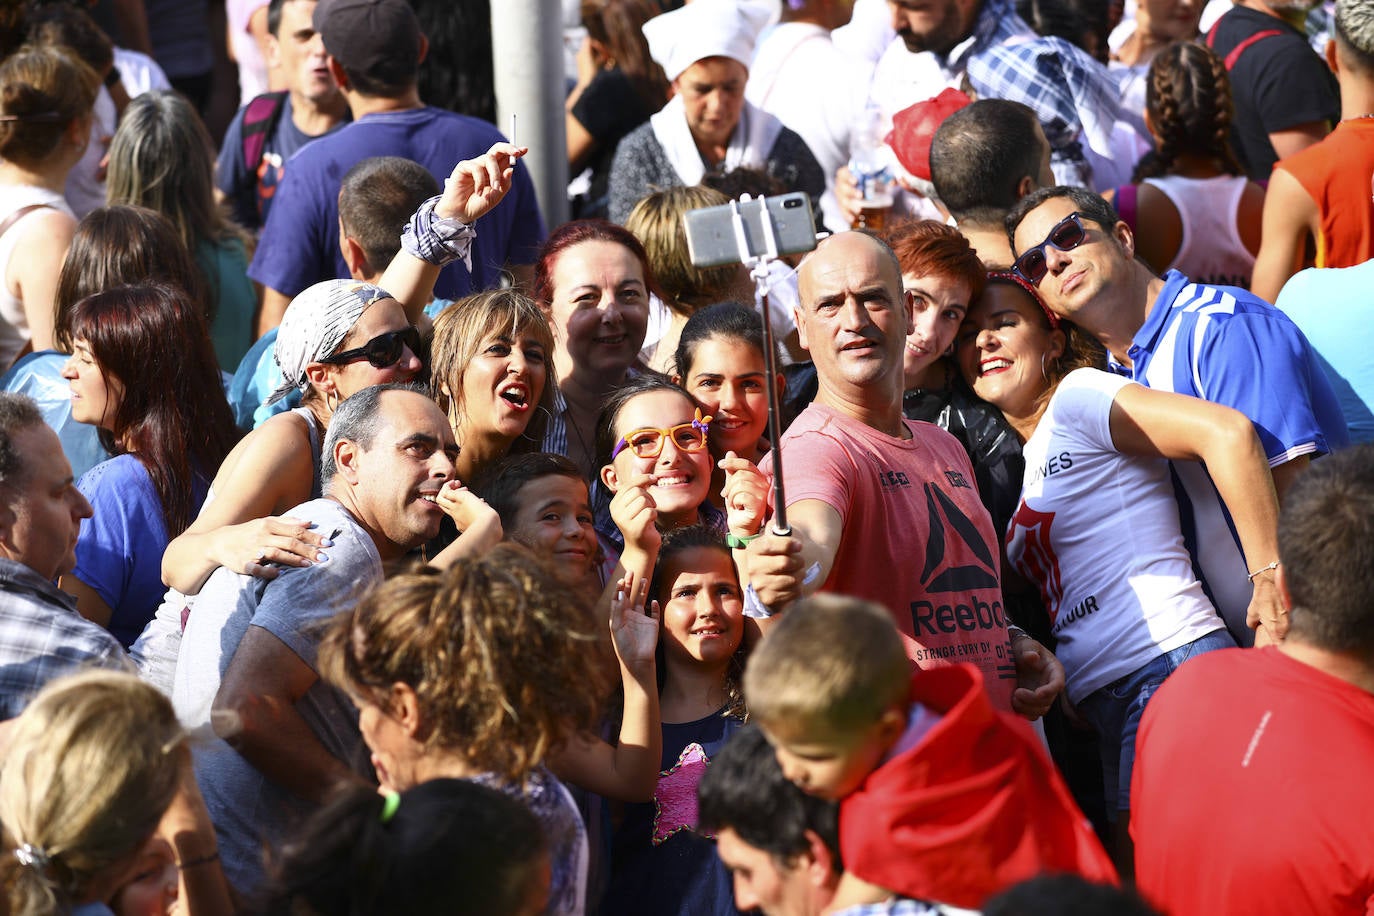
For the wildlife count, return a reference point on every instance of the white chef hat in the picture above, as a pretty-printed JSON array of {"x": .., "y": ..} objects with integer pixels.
[{"x": 705, "y": 28}]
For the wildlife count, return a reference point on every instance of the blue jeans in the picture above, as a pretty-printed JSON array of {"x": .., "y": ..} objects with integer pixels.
[{"x": 1114, "y": 712}]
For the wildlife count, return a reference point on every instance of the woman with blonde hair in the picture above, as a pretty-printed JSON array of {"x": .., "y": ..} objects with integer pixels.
[
  {"x": 491, "y": 371},
  {"x": 162, "y": 158},
  {"x": 97, "y": 776},
  {"x": 657, "y": 222},
  {"x": 45, "y": 121}
]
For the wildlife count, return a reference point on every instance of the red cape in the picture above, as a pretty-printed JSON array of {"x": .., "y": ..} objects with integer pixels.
[{"x": 973, "y": 808}]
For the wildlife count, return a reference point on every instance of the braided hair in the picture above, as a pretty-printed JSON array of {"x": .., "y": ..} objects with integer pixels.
[{"x": 1188, "y": 98}]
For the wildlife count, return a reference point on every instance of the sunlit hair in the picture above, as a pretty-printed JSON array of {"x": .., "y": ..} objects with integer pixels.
[
  {"x": 172, "y": 414},
  {"x": 376, "y": 200},
  {"x": 569, "y": 236},
  {"x": 675, "y": 544},
  {"x": 926, "y": 248},
  {"x": 1188, "y": 99},
  {"x": 619, "y": 26},
  {"x": 462, "y": 329},
  {"x": 833, "y": 663},
  {"x": 119, "y": 246},
  {"x": 44, "y": 89},
  {"x": 162, "y": 158},
  {"x": 506, "y": 662},
  {"x": 18, "y": 412},
  {"x": 92, "y": 765},
  {"x": 656, "y": 220}
]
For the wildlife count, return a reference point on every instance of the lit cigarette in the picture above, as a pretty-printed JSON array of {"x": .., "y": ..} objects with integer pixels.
[{"x": 512, "y": 130}]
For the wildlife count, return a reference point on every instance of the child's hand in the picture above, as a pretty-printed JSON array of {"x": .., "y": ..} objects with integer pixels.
[
  {"x": 465, "y": 508},
  {"x": 745, "y": 493},
  {"x": 634, "y": 512},
  {"x": 477, "y": 185},
  {"x": 634, "y": 624}
]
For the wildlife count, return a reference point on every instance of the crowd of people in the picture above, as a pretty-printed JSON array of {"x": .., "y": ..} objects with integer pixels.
[{"x": 370, "y": 545}]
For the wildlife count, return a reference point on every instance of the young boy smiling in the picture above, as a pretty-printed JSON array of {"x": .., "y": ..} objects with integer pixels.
[{"x": 943, "y": 798}]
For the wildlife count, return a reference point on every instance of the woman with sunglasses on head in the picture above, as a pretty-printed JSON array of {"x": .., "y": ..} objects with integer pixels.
[
  {"x": 1097, "y": 527},
  {"x": 336, "y": 338}
]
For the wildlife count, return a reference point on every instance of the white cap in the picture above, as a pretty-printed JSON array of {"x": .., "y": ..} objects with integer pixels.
[{"x": 702, "y": 29}]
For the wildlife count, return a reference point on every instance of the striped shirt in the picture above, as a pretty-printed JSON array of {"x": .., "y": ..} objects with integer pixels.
[{"x": 1226, "y": 345}]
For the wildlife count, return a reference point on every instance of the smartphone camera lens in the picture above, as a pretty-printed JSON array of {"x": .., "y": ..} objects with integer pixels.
[{"x": 791, "y": 203}]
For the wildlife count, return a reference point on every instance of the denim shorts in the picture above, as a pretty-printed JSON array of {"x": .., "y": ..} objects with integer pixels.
[{"x": 1114, "y": 712}]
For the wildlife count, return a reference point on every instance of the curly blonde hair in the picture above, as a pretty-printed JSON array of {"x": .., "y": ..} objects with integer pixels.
[
  {"x": 94, "y": 763},
  {"x": 506, "y": 663}
]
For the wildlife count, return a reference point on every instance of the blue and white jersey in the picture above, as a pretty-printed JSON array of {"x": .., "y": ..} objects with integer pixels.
[{"x": 1226, "y": 345}]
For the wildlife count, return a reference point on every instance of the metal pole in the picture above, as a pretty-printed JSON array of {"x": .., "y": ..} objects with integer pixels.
[{"x": 527, "y": 51}]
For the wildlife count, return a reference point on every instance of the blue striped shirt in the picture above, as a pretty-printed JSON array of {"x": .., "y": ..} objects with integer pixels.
[{"x": 1226, "y": 345}]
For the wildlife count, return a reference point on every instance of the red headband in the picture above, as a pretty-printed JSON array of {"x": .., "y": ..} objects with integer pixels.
[{"x": 1013, "y": 277}]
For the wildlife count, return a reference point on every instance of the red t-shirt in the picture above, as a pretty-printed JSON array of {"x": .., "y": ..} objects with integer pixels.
[
  {"x": 1252, "y": 792},
  {"x": 975, "y": 807},
  {"x": 917, "y": 538}
]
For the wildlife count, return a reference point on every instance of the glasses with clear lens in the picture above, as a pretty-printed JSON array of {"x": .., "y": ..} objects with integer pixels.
[
  {"x": 648, "y": 442},
  {"x": 382, "y": 351},
  {"x": 1066, "y": 235}
]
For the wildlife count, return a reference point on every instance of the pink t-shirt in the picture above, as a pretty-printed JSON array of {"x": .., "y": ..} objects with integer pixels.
[{"x": 917, "y": 539}]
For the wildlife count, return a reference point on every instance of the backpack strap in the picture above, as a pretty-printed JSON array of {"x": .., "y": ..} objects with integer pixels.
[
  {"x": 1231, "y": 59},
  {"x": 260, "y": 119}
]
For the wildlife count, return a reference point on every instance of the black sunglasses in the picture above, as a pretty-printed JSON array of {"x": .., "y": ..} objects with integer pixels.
[
  {"x": 382, "y": 351},
  {"x": 1066, "y": 235}
]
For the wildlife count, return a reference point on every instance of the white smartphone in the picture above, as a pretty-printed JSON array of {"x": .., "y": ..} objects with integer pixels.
[{"x": 711, "y": 239}]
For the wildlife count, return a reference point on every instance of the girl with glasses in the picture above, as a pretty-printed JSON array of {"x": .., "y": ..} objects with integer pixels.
[
  {"x": 1097, "y": 526},
  {"x": 653, "y": 441}
]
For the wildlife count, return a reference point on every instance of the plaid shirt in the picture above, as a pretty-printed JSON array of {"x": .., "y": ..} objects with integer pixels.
[
  {"x": 1072, "y": 94},
  {"x": 42, "y": 637}
]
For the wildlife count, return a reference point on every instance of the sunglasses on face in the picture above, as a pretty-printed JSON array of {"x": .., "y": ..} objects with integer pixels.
[
  {"x": 648, "y": 442},
  {"x": 382, "y": 351},
  {"x": 1066, "y": 235}
]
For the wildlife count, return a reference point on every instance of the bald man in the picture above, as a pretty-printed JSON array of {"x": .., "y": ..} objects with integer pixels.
[{"x": 885, "y": 508}]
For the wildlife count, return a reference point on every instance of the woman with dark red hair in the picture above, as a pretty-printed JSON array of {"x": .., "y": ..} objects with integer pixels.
[
  {"x": 593, "y": 282},
  {"x": 143, "y": 372}
]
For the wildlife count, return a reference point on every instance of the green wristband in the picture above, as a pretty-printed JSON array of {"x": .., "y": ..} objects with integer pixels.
[{"x": 739, "y": 543}]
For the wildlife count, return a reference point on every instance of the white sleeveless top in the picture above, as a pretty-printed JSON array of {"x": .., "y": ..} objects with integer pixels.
[
  {"x": 1211, "y": 250},
  {"x": 14, "y": 323}
]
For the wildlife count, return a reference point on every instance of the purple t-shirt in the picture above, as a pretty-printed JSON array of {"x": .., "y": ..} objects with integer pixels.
[{"x": 300, "y": 241}]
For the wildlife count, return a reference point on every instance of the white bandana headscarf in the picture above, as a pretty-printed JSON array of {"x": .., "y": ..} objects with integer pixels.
[{"x": 314, "y": 325}]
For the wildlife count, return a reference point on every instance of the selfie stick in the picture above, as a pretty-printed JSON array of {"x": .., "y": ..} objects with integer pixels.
[{"x": 758, "y": 269}]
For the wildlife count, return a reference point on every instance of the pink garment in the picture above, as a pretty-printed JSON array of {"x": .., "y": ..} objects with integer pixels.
[{"x": 917, "y": 538}]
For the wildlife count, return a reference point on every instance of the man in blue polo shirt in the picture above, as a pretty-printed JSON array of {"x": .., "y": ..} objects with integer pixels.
[
  {"x": 375, "y": 48},
  {"x": 1214, "y": 342}
]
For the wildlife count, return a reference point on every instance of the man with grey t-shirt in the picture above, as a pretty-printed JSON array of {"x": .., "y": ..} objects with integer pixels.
[{"x": 279, "y": 737}]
